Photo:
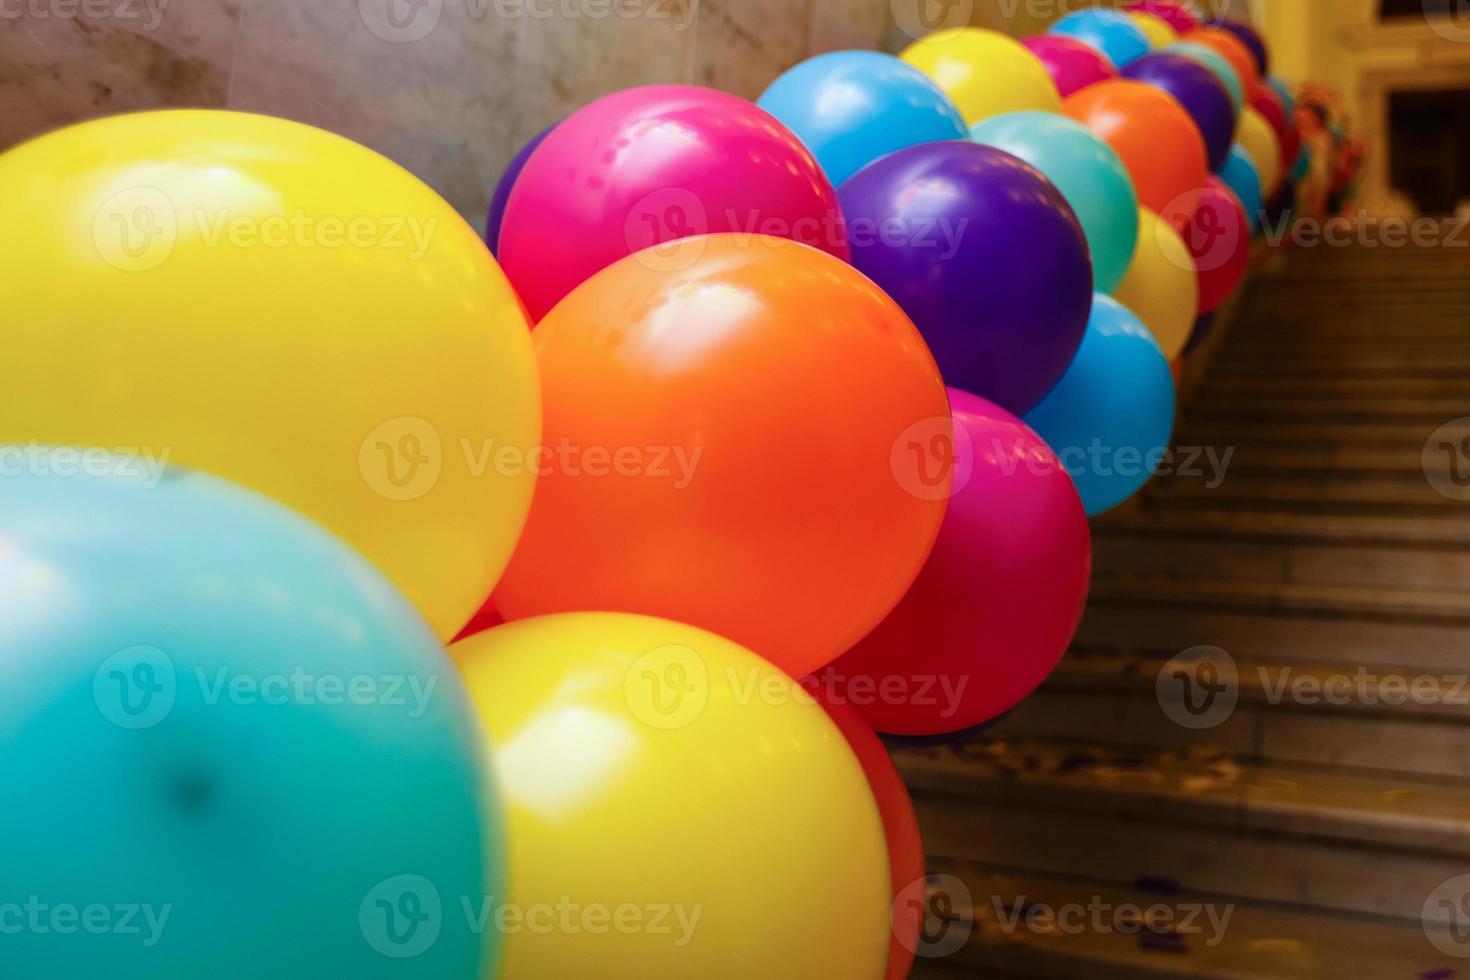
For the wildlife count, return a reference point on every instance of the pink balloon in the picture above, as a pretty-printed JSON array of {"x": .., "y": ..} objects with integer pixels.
[
  {"x": 1219, "y": 238},
  {"x": 996, "y": 605},
  {"x": 653, "y": 165},
  {"x": 1071, "y": 64},
  {"x": 1176, "y": 15}
]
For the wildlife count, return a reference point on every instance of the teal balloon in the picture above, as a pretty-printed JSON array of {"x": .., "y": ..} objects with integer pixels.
[
  {"x": 1303, "y": 165},
  {"x": 1215, "y": 62},
  {"x": 853, "y": 107},
  {"x": 231, "y": 749},
  {"x": 1090, "y": 175},
  {"x": 1111, "y": 417},
  {"x": 1244, "y": 177}
]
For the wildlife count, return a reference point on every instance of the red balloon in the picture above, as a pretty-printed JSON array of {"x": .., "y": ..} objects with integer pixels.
[
  {"x": 1269, "y": 105},
  {"x": 654, "y": 165},
  {"x": 996, "y": 604},
  {"x": 1219, "y": 238},
  {"x": 900, "y": 827}
]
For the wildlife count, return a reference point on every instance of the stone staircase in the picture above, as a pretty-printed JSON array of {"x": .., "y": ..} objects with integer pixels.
[{"x": 1255, "y": 761}]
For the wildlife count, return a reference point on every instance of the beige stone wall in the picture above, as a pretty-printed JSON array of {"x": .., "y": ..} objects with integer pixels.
[{"x": 448, "y": 88}]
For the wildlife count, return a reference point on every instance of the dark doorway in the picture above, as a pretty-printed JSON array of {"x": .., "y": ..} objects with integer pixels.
[{"x": 1430, "y": 140}]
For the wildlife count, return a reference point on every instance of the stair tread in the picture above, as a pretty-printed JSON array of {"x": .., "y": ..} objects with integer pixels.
[
  {"x": 1201, "y": 787},
  {"x": 1430, "y": 531},
  {"x": 1357, "y": 601},
  {"x": 1259, "y": 941}
]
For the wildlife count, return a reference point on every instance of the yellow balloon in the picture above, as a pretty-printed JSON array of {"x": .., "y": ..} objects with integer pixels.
[
  {"x": 985, "y": 72},
  {"x": 1162, "y": 284},
  {"x": 667, "y": 778},
  {"x": 284, "y": 308},
  {"x": 1261, "y": 142},
  {"x": 1157, "y": 29}
]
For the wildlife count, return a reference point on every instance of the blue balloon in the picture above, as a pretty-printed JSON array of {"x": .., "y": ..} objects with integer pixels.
[
  {"x": 1108, "y": 31},
  {"x": 853, "y": 107},
  {"x": 1244, "y": 178},
  {"x": 1090, "y": 175},
  {"x": 230, "y": 748},
  {"x": 1111, "y": 416}
]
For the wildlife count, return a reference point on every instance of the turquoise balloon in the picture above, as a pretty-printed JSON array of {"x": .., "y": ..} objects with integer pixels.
[
  {"x": 852, "y": 107},
  {"x": 1111, "y": 417},
  {"x": 1119, "y": 39},
  {"x": 1090, "y": 175},
  {"x": 230, "y": 749},
  {"x": 1215, "y": 62},
  {"x": 1244, "y": 177}
]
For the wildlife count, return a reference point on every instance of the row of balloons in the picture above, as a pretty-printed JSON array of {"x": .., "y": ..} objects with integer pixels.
[{"x": 820, "y": 388}]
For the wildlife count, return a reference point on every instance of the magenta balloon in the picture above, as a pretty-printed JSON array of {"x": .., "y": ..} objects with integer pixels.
[
  {"x": 1071, "y": 64},
  {"x": 652, "y": 165},
  {"x": 997, "y": 603},
  {"x": 1176, "y": 15}
]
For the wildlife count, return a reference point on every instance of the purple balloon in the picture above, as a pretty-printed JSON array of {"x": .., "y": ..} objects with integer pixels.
[
  {"x": 1201, "y": 93},
  {"x": 1070, "y": 63},
  {"x": 1252, "y": 39},
  {"x": 502, "y": 190},
  {"x": 987, "y": 258}
]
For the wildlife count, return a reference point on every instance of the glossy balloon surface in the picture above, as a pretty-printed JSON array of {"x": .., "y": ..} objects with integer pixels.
[
  {"x": 679, "y": 797},
  {"x": 730, "y": 446},
  {"x": 985, "y": 72},
  {"x": 1199, "y": 91},
  {"x": 1072, "y": 64},
  {"x": 281, "y": 307},
  {"x": 221, "y": 718},
  {"x": 990, "y": 263}
]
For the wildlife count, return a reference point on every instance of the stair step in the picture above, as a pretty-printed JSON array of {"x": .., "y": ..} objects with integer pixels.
[
  {"x": 1319, "y": 491},
  {"x": 1312, "y": 434},
  {"x": 1058, "y": 936},
  {"x": 1281, "y": 622},
  {"x": 1397, "y": 553},
  {"x": 1366, "y": 718},
  {"x": 1286, "y": 406},
  {"x": 1208, "y": 824}
]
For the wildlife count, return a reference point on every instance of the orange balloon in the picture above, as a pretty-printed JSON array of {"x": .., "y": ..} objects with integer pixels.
[
  {"x": 1233, "y": 50},
  {"x": 1153, "y": 134},
  {"x": 743, "y": 434},
  {"x": 906, "y": 868}
]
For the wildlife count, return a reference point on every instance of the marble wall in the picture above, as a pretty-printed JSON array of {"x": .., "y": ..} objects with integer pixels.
[{"x": 448, "y": 88}]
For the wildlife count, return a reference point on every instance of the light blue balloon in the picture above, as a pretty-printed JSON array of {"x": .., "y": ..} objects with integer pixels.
[
  {"x": 1111, "y": 417},
  {"x": 227, "y": 742},
  {"x": 1216, "y": 62},
  {"x": 1108, "y": 31},
  {"x": 1303, "y": 165},
  {"x": 1244, "y": 177},
  {"x": 1288, "y": 98},
  {"x": 1087, "y": 171},
  {"x": 852, "y": 107}
]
